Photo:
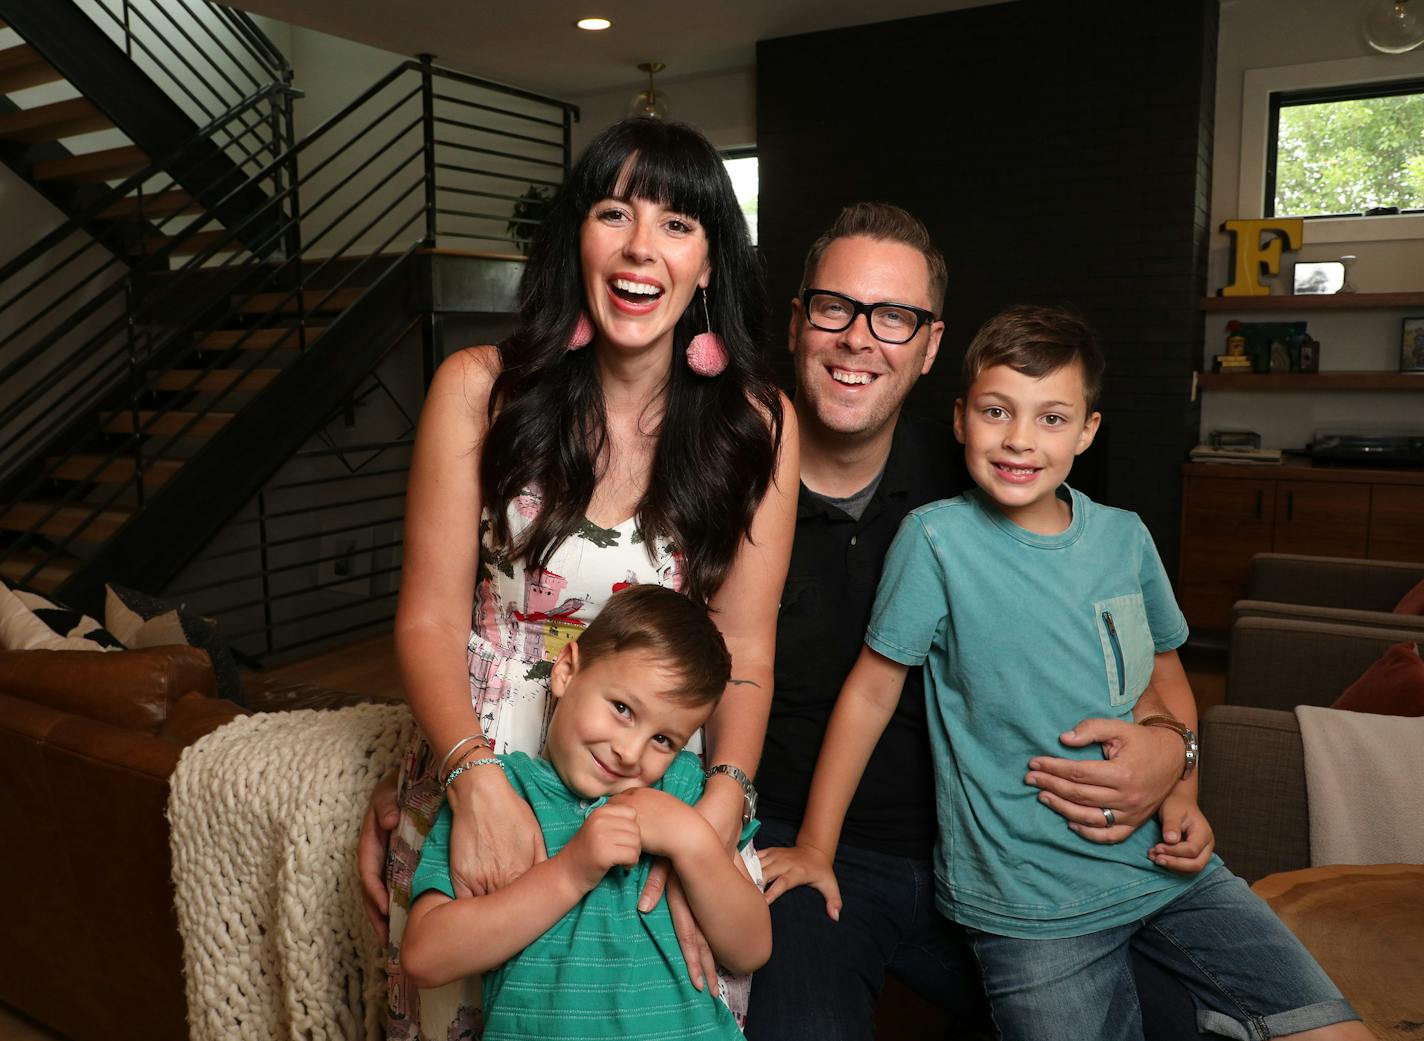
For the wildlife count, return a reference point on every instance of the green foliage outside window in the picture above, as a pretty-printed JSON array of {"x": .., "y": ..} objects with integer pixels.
[{"x": 1350, "y": 156}]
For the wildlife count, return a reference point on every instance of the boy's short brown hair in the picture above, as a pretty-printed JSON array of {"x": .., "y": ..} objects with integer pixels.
[
  {"x": 1036, "y": 341},
  {"x": 670, "y": 627}
]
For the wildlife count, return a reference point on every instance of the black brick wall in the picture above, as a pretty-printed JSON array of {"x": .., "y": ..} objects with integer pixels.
[{"x": 1059, "y": 153}]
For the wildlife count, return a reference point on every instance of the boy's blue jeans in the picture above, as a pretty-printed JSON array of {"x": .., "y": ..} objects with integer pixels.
[{"x": 1248, "y": 975}]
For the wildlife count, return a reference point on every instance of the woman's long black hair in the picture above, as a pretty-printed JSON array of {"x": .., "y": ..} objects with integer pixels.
[{"x": 720, "y": 435}]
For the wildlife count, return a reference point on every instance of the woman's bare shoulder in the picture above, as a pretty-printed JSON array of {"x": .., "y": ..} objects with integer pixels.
[{"x": 469, "y": 373}]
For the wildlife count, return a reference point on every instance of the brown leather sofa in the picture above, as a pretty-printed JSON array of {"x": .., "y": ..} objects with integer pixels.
[{"x": 88, "y": 741}]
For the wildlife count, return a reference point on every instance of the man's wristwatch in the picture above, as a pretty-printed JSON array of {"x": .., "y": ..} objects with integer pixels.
[
  {"x": 749, "y": 792},
  {"x": 1186, "y": 733}
]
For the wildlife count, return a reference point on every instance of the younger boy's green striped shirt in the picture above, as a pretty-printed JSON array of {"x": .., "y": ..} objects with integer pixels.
[{"x": 603, "y": 971}]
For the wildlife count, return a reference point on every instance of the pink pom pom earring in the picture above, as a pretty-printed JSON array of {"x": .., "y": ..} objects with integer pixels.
[
  {"x": 582, "y": 335},
  {"x": 706, "y": 354}
]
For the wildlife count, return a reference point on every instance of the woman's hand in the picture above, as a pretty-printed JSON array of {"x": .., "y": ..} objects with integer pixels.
[
  {"x": 1141, "y": 766},
  {"x": 382, "y": 813},
  {"x": 494, "y": 836},
  {"x": 701, "y": 965},
  {"x": 786, "y": 867}
]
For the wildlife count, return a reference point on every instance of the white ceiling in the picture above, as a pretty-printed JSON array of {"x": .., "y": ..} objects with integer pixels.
[{"x": 534, "y": 44}]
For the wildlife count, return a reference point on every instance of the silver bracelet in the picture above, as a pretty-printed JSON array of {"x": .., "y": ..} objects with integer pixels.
[
  {"x": 487, "y": 761},
  {"x": 450, "y": 755}
]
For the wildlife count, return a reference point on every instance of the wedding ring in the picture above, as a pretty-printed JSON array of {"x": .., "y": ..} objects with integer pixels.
[{"x": 1108, "y": 818}]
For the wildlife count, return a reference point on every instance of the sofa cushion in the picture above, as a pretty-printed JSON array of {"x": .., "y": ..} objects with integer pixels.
[
  {"x": 1413, "y": 601},
  {"x": 132, "y": 689},
  {"x": 30, "y": 622},
  {"x": 141, "y": 620},
  {"x": 1392, "y": 686}
]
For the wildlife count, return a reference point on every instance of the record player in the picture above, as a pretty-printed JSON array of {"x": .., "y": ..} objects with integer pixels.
[{"x": 1342, "y": 448}]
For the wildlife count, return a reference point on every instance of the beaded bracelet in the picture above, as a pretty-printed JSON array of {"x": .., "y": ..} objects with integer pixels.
[
  {"x": 487, "y": 761},
  {"x": 450, "y": 755}
]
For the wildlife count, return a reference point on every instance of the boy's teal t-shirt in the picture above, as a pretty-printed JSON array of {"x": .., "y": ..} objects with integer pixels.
[
  {"x": 1021, "y": 637},
  {"x": 603, "y": 970}
]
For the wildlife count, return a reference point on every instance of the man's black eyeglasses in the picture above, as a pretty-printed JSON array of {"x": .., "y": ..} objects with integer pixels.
[{"x": 889, "y": 322}]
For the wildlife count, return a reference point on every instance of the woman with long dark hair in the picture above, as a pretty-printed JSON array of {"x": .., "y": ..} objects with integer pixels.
[{"x": 625, "y": 433}]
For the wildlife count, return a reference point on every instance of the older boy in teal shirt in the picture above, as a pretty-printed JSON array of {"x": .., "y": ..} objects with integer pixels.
[{"x": 1030, "y": 605}]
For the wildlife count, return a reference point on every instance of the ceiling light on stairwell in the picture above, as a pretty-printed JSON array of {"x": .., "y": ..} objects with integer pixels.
[
  {"x": 1393, "y": 26},
  {"x": 594, "y": 25}
]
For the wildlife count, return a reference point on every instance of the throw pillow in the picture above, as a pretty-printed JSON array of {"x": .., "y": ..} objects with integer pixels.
[
  {"x": 30, "y": 622},
  {"x": 1392, "y": 686},
  {"x": 1413, "y": 601},
  {"x": 141, "y": 620}
]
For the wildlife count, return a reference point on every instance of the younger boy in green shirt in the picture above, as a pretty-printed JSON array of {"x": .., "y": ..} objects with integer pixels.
[{"x": 565, "y": 950}]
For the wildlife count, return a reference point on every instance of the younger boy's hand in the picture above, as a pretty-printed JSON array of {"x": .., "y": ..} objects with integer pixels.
[
  {"x": 1187, "y": 838},
  {"x": 786, "y": 867},
  {"x": 608, "y": 836},
  {"x": 665, "y": 822}
]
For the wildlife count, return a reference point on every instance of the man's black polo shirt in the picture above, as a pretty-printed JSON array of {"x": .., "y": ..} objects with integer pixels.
[{"x": 825, "y": 608}]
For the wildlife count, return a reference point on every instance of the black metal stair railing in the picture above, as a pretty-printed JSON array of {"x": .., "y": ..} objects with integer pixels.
[
  {"x": 71, "y": 308},
  {"x": 156, "y": 71},
  {"x": 389, "y": 174},
  {"x": 208, "y": 59}
]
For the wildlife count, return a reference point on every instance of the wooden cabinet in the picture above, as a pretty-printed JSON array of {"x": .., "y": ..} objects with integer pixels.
[
  {"x": 1230, "y": 513},
  {"x": 1397, "y": 523},
  {"x": 1224, "y": 523},
  {"x": 1322, "y": 519}
]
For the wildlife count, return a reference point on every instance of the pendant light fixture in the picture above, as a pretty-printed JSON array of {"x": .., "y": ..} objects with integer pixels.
[
  {"x": 1393, "y": 26},
  {"x": 650, "y": 102}
]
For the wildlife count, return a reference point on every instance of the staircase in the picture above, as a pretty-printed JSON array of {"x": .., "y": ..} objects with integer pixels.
[{"x": 199, "y": 331}]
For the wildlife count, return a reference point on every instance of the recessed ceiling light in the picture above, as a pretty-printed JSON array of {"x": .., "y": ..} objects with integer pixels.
[{"x": 594, "y": 24}]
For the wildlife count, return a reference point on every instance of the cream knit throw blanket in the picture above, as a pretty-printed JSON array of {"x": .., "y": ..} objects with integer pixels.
[{"x": 264, "y": 815}]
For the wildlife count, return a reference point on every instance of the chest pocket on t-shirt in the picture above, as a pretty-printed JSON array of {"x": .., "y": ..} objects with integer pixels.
[{"x": 1128, "y": 651}]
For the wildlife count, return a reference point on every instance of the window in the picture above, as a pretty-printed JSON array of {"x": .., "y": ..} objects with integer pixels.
[
  {"x": 742, "y": 167},
  {"x": 1374, "y": 75},
  {"x": 1350, "y": 150}
]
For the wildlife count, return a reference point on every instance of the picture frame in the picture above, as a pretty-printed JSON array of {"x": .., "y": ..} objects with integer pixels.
[
  {"x": 1411, "y": 345},
  {"x": 1313, "y": 278}
]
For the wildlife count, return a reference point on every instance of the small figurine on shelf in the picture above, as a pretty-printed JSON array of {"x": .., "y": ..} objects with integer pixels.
[
  {"x": 1235, "y": 359},
  {"x": 1309, "y": 354}
]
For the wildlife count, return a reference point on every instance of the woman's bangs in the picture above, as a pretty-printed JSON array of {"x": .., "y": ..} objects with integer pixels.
[{"x": 668, "y": 175}]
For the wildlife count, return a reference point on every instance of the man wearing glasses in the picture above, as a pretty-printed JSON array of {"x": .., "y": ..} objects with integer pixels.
[{"x": 863, "y": 330}]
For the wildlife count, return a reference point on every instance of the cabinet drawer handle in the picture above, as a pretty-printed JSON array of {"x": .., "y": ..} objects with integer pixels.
[
  {"x": 1260, "y": 496},
  {"x": 1290, "y": 505}
]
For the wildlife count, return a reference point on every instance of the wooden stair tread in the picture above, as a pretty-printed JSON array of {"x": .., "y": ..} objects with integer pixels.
[
  {"x": 52, "y": 122},
  {"x": 53, "y": 572},
  {"x": 256, "y": 339},
  {"x": 92, "y": 167},
  {"x": 166, "y": 424},
  {"x": 160, "y": 205},
  {"x": 23, "y": 516},
  {"x": 22, "y": 66},
  {"x": 216, "y": 380},
  {"x": 285, "y": 301},
  {"x": 115, "y": 471},
  {"x": 194, "y": 243}
]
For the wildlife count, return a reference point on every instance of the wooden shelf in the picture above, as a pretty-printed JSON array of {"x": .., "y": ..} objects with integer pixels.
[
  {"x": 1310, "y": 381},
  {"x": 1324, "y": 302}
]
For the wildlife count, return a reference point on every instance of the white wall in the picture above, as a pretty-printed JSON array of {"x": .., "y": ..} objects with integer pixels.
[
  {"x": 1257, "y": 34},
  {"x": 722, "y": 106}
]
